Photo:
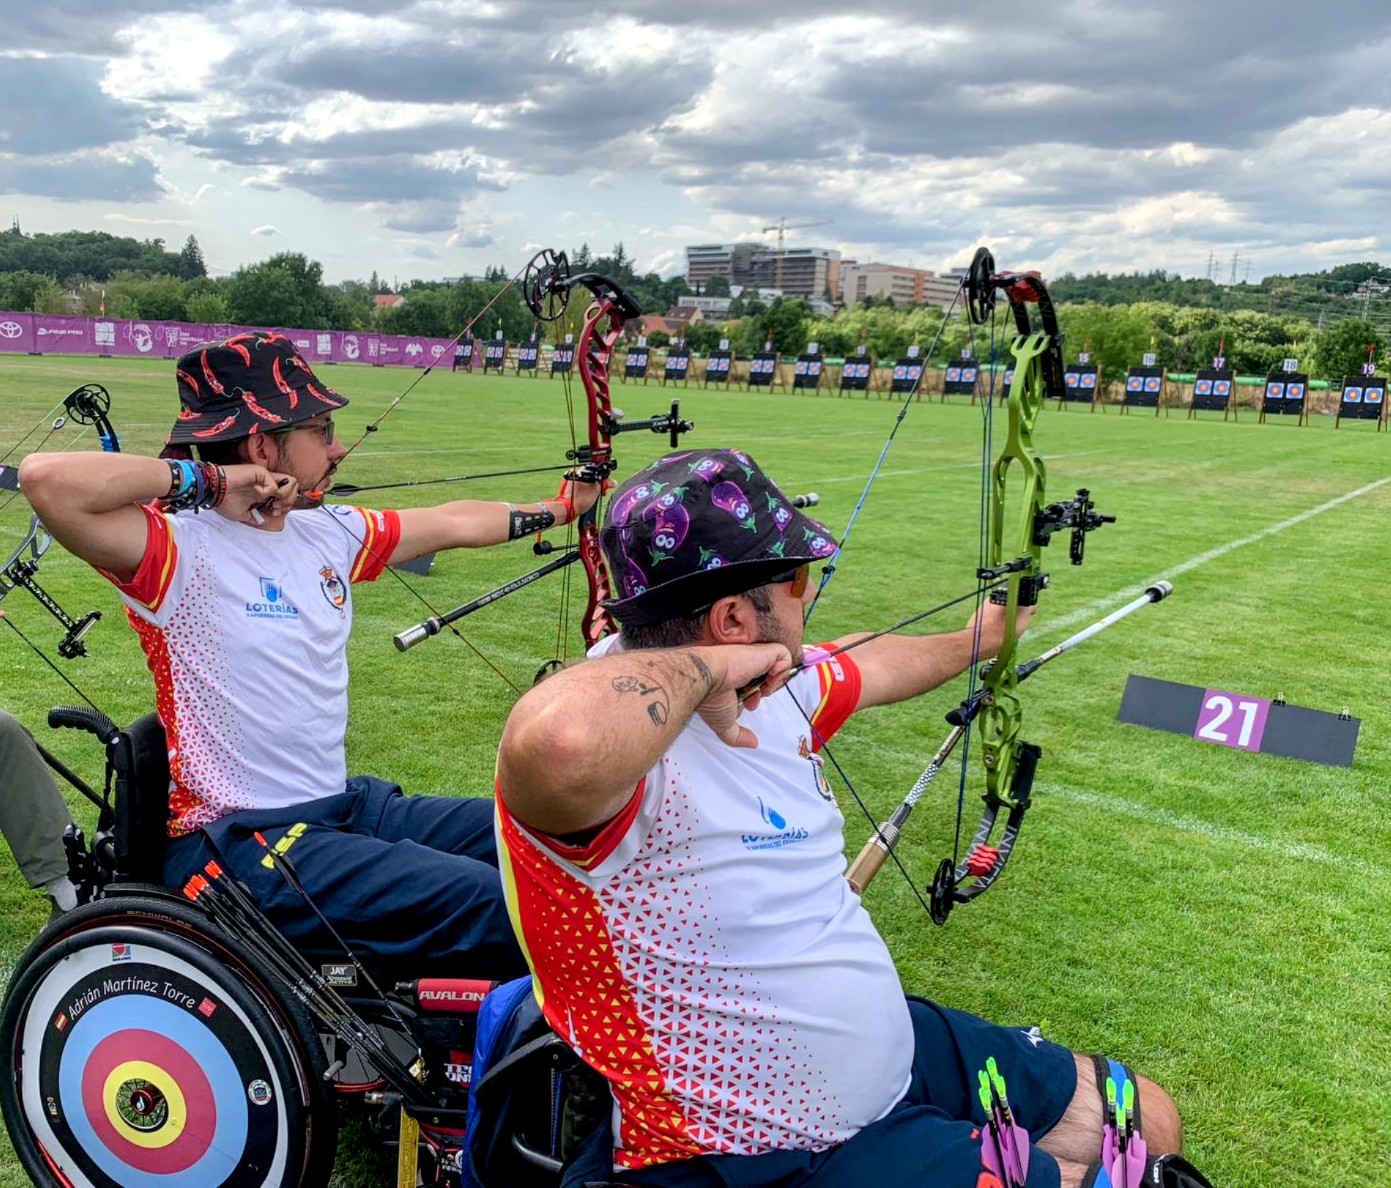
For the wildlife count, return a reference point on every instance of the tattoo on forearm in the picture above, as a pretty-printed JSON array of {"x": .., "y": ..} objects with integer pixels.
[
  {"x": 702, "y": 669},
  {"x": 658, "y": 705}
]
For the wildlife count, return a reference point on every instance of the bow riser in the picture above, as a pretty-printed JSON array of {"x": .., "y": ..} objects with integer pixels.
[{"x": 596, "y": 354}]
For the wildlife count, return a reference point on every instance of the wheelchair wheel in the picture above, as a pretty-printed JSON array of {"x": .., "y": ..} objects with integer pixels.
[{"x": 141, "y": 1049}]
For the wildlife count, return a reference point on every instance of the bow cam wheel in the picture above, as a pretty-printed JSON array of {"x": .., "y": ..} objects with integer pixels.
[
  {"x": 543, "y": 285},
  {"x": 88, "y": 404},
  {"x": 141, "y": 1050},
  {"x": 980, "y": 287}
]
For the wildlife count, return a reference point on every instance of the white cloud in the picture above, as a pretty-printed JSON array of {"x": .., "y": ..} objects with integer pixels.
[{"x": 1109, "y": 136}]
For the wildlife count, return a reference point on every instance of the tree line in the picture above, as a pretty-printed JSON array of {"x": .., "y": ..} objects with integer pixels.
[{"x": 1116, "y": 319}]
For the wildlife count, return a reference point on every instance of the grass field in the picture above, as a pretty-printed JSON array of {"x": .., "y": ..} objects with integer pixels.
[{"x": 1222, "y": 920}]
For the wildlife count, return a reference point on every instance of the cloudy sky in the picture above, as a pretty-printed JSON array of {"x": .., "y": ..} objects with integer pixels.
[{"x": 431, "y": 138}]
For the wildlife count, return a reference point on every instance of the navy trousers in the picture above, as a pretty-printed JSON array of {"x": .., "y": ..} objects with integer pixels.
[
  {"x": 410, "y": 882},
  {"x": 930, "y": 1139}
]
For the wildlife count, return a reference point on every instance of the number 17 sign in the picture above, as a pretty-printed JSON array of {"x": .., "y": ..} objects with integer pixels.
[{"x": 1241, "y": 721}]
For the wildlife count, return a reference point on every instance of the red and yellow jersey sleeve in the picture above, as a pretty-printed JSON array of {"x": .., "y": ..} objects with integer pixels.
[
  {"x": 381, "y": 535},
  {"x": 156, "y": 572},
  {"x": 839, "y": 679}
]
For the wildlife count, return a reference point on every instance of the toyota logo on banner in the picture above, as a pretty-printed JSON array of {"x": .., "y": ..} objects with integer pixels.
[{"x": 10, "y": 329}]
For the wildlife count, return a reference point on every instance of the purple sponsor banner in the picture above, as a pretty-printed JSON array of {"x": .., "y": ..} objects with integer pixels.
[
  {"x": 27, "y": 333},
  {"x": 17, "y": 332},
  {"x": 63, "y": 336}
]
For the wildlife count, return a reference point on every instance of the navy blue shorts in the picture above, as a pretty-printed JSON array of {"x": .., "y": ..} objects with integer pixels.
[
  {"x": 932, "y": 1137},
  {"x": 409, "y": 882}
]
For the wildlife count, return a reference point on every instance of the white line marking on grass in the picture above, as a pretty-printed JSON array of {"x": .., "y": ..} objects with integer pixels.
[
  {"x": 1091, "y": 609},
  {"x": 1291, "y": 851},
  {"x": 1150, "y": 814}
]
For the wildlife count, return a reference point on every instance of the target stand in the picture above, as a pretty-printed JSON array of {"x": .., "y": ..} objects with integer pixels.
[
  {"x": 857, "y": 372},
  {"x": 528, "y": 355},
  {"x": 495, "y": 356},
  {"x": 763, "y": 370},
  {"x": 1144, "y": 388},
  {"x": 562, "y": 359},
  {"x": 463, "y": 355},
  {"x": 1286, "y": 394},
  {"x": 961, "y": 378},
  {"x": 1213, "y": 389},
  {"x": 718, "y": 366},
  {"x": 1363, "y": 398},
  {"x": 677, "y": 369},
  {"x": 636, "y": 364},
  {"x": 807, "y": 371},
  {"x": 1081, "y": 382}
]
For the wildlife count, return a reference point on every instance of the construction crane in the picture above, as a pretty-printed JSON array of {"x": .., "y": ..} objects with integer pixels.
[{"x": 782, "y": 227}]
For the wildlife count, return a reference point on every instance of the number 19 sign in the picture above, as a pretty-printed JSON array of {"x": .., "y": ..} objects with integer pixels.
[{"x": 1241, "y": 721}]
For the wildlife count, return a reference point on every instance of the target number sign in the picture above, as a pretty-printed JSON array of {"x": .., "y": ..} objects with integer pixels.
[
  {"x": 1240, "y": 720},
  {"x": 1232, "y": 720}
]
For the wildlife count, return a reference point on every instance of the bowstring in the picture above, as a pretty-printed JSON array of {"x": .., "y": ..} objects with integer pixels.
[
  {"x": 829, "y": 571},
  {"x": 419, "y": 597},
  {"x": 562, "y": 634},
  {"x": 59, "y": 423},
  {"x": 986, "y": 496}
]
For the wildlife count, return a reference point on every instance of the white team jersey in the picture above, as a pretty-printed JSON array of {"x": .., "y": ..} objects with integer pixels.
[
  {"x": 705, "y": 952},
  {"x": 246, "y": 634}
]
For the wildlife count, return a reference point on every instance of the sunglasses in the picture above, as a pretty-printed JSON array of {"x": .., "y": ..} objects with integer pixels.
[
  {"x": 799, "y": 578},
  {"x": 323, "y": 428}
]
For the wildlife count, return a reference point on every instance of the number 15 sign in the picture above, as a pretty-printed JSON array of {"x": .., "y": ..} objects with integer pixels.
[{"x": 1241, "y": 721}]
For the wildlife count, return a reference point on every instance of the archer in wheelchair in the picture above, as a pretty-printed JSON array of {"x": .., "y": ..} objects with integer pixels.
[
  {"x": 238, "y": 580},
  {"x": 677, "y": 874},
  {"x": 177, "y": 1035}
]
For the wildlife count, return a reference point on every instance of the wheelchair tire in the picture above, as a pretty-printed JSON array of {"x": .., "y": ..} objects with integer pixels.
[{"x": 141, "y": 1048}]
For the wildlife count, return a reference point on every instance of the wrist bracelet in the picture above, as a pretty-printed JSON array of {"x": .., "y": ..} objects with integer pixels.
[
  {"x": 195, "y": 486},
  {"x": 568, "y": 504}
]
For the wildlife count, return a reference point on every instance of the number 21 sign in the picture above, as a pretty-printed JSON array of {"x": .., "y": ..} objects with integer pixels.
[
  {"x": 1232, "y": 720},
  {"x": 1241, "y": 721}
]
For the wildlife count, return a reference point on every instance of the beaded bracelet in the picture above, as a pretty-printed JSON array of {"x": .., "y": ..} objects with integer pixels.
[{"x": 194, "y": 485}]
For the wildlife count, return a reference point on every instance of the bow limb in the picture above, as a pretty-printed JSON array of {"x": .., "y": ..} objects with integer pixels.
[
  {"x": 547, "y": 283},
  {"x": 88, "y": 405},
  {"x": 604, "y": 323}
]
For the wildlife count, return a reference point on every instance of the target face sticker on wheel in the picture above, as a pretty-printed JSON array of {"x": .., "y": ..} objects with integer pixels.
[{"x": 139, "y": 1069}]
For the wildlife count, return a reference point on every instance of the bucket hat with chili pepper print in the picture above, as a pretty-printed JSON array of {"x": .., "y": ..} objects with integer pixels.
[{"x": 249, "y": 383}]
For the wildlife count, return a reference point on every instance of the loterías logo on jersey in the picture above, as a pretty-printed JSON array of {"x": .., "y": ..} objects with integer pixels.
[{"x": 272, "y": 604}]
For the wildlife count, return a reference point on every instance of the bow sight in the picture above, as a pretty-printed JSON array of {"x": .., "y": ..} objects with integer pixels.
[{"x": 1077, "y": 514}]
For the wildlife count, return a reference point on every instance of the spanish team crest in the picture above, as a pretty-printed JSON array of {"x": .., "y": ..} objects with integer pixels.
[{"x": 333, "y": 588}]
